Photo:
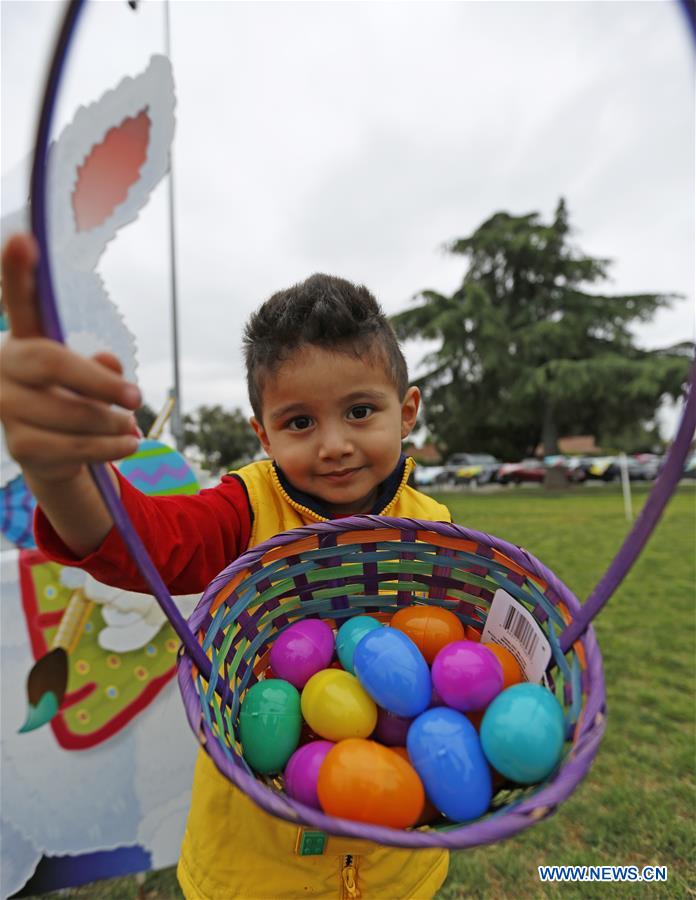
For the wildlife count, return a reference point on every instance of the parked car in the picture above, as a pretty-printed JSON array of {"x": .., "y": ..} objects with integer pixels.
[
  {"x": 651, "y": 465},
  {"x": 465, "y": 468},
  {"x": 576, "y": 467},
  {"x": 602, "y": 468},
  {"x": 426, "y": 476},
  {"x": 519, "y": 472},
  {"x": 608, "y": 468}
]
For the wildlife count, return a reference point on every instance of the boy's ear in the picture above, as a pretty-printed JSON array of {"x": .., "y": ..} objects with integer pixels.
[
  {"x": 260, "y": 433},
  {"x": 409, "y": 410}
]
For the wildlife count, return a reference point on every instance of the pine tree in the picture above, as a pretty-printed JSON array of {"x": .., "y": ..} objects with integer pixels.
[{"x": 526, "y": 353}]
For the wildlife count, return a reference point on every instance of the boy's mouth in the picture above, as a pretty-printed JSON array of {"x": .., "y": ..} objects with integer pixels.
[{"x": 340, "y": 475}]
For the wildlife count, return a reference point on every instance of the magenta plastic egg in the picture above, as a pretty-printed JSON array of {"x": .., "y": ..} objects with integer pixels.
[
  {"x": 467, "y": 676},
  {"x": 301, "y": 650},
  {"x": 302, "y": 772}
]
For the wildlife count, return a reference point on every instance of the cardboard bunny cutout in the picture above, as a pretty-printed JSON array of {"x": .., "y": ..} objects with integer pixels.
[{"x": 101, "y": 172}]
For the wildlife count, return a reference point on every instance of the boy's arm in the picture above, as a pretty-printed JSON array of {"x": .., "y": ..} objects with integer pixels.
[
  {"x": 60, "y": 411},
  {"x": 190, "y": 538}
]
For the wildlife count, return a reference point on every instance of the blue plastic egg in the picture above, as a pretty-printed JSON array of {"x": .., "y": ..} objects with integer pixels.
[
  {"x": 349, "y": 636},
  {"x": 445, "y": 750},
  {"x": 393, "y": 672},
  {"x": 522, "y": 733}
]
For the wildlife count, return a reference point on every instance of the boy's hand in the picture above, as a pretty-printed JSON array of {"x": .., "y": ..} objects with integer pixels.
[{"x": 56, "y": 406}]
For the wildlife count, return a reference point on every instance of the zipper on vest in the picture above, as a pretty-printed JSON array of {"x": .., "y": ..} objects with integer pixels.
[{"x": 349, "y": 878}]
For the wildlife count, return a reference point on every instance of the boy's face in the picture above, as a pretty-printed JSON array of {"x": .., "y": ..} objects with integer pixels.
[{"x": 334, "y": 424}]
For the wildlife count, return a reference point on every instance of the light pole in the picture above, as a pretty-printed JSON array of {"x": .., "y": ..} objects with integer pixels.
[{"x": 175, "y": 392}]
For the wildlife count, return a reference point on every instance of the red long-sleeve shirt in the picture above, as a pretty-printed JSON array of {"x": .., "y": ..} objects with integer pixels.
[{"x": 189, "y": 538}]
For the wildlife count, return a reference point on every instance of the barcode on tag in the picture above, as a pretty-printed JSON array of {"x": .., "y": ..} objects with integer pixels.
[
  {"x": 515, "y": 628},
  {"x": 518, "y": 626}
]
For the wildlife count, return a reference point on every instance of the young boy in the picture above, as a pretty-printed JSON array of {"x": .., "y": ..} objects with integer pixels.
[{"x": 329, "y": 390}]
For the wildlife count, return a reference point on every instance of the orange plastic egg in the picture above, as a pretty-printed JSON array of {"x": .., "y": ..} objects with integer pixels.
[
  {"x": 475, "y": 716},
  {"x": 472, "y": 634},
  {"x": 366, "y": 782},
  {"x": 430, "y": 628},
  {"x": 429, "y": 813},
  {"x": 512, "y": 673}
]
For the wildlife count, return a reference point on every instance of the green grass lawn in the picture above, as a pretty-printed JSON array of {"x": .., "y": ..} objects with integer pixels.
[{"x": 637, "y": 805}]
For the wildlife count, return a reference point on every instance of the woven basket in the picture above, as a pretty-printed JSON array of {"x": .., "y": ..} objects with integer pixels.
[{"x": 373, "y": 564}]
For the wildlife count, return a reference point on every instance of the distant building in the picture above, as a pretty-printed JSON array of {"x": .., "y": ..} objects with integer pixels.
[{"x": 577, "y": 445}]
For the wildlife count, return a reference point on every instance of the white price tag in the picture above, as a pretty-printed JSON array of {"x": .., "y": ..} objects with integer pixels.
[{"x": 513, "y": 627}]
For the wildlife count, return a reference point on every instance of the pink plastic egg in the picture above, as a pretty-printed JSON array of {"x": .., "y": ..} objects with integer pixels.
[
  {"x": 302, "y": 772},
  {"x": 302, "y": 650},
  {"x": 467, "y": 676}
]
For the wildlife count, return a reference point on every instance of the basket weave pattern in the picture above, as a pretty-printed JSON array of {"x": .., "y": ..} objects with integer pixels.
[{"x": 374, "y": 564}]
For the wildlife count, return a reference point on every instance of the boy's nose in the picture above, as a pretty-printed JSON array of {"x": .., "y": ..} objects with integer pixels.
[{"x": 334, "y": 443}]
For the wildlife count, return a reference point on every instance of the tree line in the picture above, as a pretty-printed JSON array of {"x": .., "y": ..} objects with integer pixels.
[{"x": 529, "y": 349}]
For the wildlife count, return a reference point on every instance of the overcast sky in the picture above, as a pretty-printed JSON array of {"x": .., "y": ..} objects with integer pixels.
[{"x": 357, "y": 138}]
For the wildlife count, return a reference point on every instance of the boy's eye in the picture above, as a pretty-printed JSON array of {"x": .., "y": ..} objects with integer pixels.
[
  {"x": 300, "y": 423},
  {"x": 360, "y": 412}
]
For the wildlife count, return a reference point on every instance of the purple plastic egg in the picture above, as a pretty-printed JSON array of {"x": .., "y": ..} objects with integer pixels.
[
  {"x": 302, "y": 650},
  {"x": 436, "y": 699},
  {"x": 467, "y": 675},
  {"x": 391, "y": 729},
  {"x": 302, "y": 772}
]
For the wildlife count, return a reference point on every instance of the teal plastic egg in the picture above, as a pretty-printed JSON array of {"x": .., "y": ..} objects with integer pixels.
[
  {"x": 155, "y": 468},
  {"x": 522, "y": 733},
  {"x": 269, "y": 725},
  {"x": 349, "y": 636}
]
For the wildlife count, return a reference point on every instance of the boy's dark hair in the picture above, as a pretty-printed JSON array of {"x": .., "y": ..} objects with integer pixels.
[{"x": 327, "y": 312}]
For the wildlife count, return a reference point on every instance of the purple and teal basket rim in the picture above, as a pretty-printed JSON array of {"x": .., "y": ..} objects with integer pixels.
[{"x": 501, "y": 824}]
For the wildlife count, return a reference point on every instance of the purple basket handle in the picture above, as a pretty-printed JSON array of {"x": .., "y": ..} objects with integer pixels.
[
  {"x": 660, "y": 494},
  {"x": 662, "y": 490},
  {"x": 51, "y": 324}
]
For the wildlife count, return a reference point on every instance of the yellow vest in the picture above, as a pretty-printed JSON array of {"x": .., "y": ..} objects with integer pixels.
[{"x": 233, "y": 849}]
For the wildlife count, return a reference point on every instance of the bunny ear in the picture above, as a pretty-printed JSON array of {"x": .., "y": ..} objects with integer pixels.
[
  {"x": 107, "y": 161},
  {"x": 110, "y": 170}
]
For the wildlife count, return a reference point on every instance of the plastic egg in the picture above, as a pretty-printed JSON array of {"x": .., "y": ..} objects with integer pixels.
[
  {"x": 301, "y": 650},
  {"x": 302, "y": 772},
  {"x": 436, "y": 699},
  {"x": 467, "y": 675},
  {"x": 430, "y": 628},
  {"x": 155, "y": 468},
  {"x": 391, "y": 729},
  {"x": 336, "y": 706},
  {"x": 512, "y": 673},
  {"x": 429, "y": 811},
  {"x": 475, "y": 716},
  {"x": 366, "y": 782},
  {"x": 393, "y": 672},
  {"x": 523, "y": 732},
  {"x": 446, "y": 752},
  {"x": 269, "y": 724},
  {"x": 472, "y": 634},
  {"x": 349, "y": 636}
]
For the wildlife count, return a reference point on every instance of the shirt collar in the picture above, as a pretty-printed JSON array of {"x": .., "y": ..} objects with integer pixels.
[{"x": 386, "y": 491}]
